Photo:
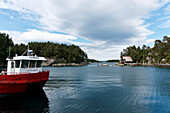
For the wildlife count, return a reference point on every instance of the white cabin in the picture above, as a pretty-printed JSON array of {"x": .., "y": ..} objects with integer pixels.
[
  {"x": 127, "y": 59},
  {"x": 24, "y": 64}
]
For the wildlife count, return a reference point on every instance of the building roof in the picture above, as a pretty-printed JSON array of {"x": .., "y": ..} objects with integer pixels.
[
  {"x": 27, "y": 58},
  {"x": 127, "y": 58}
]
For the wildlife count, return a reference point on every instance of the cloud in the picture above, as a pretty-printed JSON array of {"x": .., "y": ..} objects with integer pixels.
[
  {"x": 39, "y": 36},
  {"x": 167, "y": 10},
  {"x": 165, "y": 24},
  {"x": 111, "y": 21},
  {"x": 166, "y": 21},
  {"x": 106, "y": 23},
  {"x": 102, "y": 51}
]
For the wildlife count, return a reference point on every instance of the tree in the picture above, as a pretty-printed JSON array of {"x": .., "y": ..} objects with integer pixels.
[{"x": 5, "y": 44}]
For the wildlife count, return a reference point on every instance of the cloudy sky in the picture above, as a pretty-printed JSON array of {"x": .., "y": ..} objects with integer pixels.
[{"x": 102, "y": 28}]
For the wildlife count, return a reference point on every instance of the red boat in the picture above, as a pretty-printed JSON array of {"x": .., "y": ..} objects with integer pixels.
[{"x": 23, "y": 73}]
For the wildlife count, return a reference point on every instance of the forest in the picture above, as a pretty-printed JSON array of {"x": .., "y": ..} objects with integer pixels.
[
  {"x": 62, "y": 53},
  {"x": 159, "y": 54}
]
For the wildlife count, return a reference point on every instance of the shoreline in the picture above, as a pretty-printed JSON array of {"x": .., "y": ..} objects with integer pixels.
[
  {"x": 66, "y": 64},
  {"x": 154, "y": 65},
  {"x": 145, "y": 65}
]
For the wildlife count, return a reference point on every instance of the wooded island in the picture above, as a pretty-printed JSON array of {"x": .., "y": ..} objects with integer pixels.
[
  {"x": 57, "y": 53},
  {"x": 159, "y": 54}
]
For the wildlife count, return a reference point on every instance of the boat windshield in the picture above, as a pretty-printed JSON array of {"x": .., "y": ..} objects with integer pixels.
[
  {"x": 17, "y": 63},
  {"x": 39, "y": 63},
  {"x": 12, "y": 64},
  {"x": 32, "y": 64},
  {"x": 24, "y": 64}
]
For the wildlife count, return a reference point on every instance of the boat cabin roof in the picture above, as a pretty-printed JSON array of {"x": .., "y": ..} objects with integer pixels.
[{"x": 27, "y": 58}]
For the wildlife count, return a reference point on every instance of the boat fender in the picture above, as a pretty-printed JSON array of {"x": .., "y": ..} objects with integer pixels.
[{"x": 3, "y": 73}]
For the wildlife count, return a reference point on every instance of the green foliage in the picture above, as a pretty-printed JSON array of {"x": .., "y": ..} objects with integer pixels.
[
  {"x": 160, "y": 53},
  {"x": 93, "y": 60},
  {"x": 5, "y": 45},
  {"x": 19, "y": 49},
  {"x": 61, "y": 52}
]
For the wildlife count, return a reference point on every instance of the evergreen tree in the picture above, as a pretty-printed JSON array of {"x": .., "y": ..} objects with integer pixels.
[{"x": 5, "y": 44}]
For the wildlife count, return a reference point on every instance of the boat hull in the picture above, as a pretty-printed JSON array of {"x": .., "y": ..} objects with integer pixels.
[{"x": 21, "y": 82}]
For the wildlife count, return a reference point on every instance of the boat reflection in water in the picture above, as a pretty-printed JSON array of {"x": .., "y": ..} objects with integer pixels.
[{"x": 34, "y": 102}]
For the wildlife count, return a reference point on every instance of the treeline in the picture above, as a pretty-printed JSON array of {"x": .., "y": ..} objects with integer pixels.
[
  {"x": 113, "y": 60},
  {"x": 93, "y": 60},
  {"x": 160, "y": 53},
  {"x": 62, "y": 53}
]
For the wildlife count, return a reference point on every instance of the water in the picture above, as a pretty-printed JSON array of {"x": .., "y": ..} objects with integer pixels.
[{"x": 92, "y": 89}]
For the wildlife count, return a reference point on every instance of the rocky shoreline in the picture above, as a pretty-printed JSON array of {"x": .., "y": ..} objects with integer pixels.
[
  {"x": 67, "y": 64},
  {"x": 145, "y": 64},
  {"x": 154, "y": 65}
]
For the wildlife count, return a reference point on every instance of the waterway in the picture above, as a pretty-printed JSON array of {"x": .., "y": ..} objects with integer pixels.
[{"x": 92, "y": 89}]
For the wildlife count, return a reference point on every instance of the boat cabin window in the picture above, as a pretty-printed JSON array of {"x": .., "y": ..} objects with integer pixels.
[
  {"x": 12, "y": 64},
  {"x": 39, "y": 63},
  {"x": 24, "y": 64},
  {"x": 17, "y": 63},
  {"x": 32, "y": 63}
]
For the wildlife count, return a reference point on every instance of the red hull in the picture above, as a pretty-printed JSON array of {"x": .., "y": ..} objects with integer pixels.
[{"x": 21, "y": 82}]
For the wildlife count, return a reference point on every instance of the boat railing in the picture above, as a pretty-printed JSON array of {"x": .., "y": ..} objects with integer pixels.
[
  {"x": 14, "y": 73},
  {"x": 17, "y": 73}
]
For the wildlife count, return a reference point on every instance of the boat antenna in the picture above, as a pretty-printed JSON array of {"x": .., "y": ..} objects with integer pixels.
[
  {"x": 28, "y": 47},
  {"x": 26, "y": 50},
  {"x": 9, "y": 51}
]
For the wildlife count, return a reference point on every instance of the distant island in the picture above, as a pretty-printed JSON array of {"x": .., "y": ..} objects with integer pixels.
[
  {"x": 158, "y": 55},
  {"x": 107, "y": 61},
  {"x": 55, "y": 53},
  {"x": 93, "y": 61},
  {"x": 113, "y": 60}
]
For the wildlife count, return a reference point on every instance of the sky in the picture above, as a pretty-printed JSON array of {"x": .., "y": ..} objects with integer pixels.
[{"x": 102, "y": 28}]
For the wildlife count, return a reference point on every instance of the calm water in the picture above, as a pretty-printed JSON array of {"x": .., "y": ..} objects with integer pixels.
[{"x": 92, "y": 89}]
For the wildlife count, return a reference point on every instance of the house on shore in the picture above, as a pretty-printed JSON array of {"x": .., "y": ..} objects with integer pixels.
[{"x": 126, "y": 60}]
